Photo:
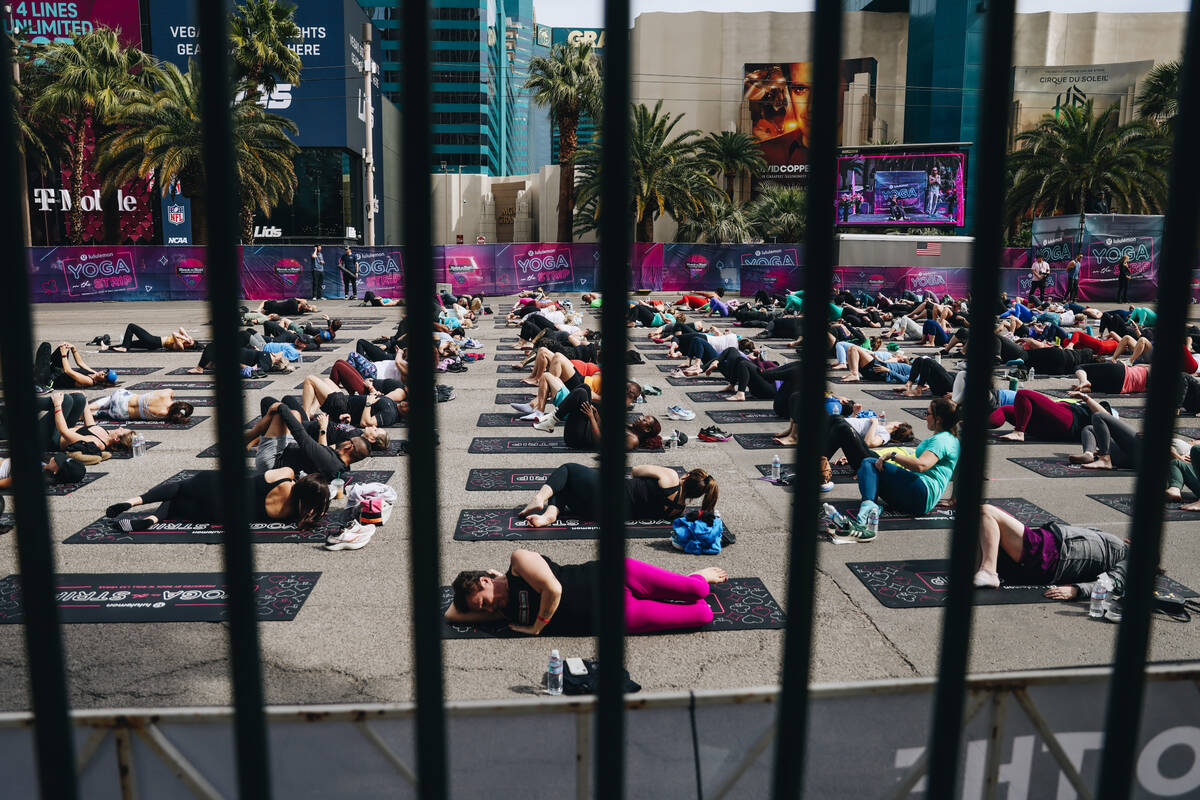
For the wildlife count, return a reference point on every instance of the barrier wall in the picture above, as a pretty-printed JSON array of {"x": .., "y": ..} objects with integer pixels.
[{"x": 73, "y": 274}]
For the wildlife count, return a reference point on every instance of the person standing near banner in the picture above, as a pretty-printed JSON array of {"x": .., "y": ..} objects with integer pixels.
[
  {"x": 318, "y": 273},
  {"x": 1072, "y": 280},
  {"x": 1039, "y": 273},
  {"x": 1123, "y": 280},
  {"x": 349, "y": 266}
]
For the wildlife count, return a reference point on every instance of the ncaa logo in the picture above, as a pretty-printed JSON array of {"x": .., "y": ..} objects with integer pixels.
[{"x": 175, "y": 215}]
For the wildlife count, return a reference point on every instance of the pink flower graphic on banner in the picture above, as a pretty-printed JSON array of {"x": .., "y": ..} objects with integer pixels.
[{"x": 288, "y": 270}]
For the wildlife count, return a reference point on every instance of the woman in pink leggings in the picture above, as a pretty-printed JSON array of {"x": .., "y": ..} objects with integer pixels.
[
  {"x": 1042, "y": 418},
  {"x": 538, "y": 596}
]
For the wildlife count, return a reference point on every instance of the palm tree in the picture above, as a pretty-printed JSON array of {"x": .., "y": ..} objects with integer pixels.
[
  {"x": 728, "y": 224},
  {"x": 670, "y": 176},
  {"x": 88, "y": 80},
  {"x": 780, "y": 213},
  {"x": 161, "y": 130},
  {"x": 1159, "y": 98},
  {"x": 259, "y": 32},
  {"x": 1064, "y": 163},
  {"x": 569, "y": 83},
  {"x": 734, "y": 154}
]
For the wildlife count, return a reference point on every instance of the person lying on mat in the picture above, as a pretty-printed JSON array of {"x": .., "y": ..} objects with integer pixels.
[
  {"x": 53, "y": 367},
  {"x": 1042, "y": 418},
  {"x": 559, "y": 406},
  {"x": 138, "y": 338},
  {"x": 1070, "y": 557},
  {"x": 914, "y": 484},
  {"x": 537, "y": 595},
  {"x": 702, "y": 349},
  {"x": 582, "y": 428},
  {"x": 644, "y": 314},
  {"x": 59, "y": 469},
  {"x": 1112, "y": 378},
  {"x": 651, "y": 492},
  {"x": 283, "y": 441},
  {"x": 277, "y": 495},
  {"x": 123, "y": 405},
  {"x": 863, "y": 438},
  {"x": 248, "y": 357},
  {"x": 552, "y": 356},
  {"x": 289, "y": 307},
  {"x": 60, "y": 429},
  {"x": 372, "y": 299},
  {"x": 321, "y": 394},
  {"x": 878, "y": 365},
  {"x": 559, "y": 379},
  {"x": 335, "y": 433}
]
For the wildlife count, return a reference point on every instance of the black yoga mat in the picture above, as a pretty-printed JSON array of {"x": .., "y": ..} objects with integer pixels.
[
  {"x": 741, "y": 415},
  {"x": 514, "y": 383},
  {"x": 1124, "y": 504},
  {"x": 664, "y": 357},
  {"x": 1059, "y": 467},
  {"x": 146, "y": 386},
  {"x": 116, "y": 454},
  {"x": 760, "y": 441},
  {"x": 395, "y": 448},
  {"x": 156, "y": 424},
  {"x": 1097, "y": 395},
  {"x": 943, "y": 517},
  {"x": 60, "y": 489},
  {"x": 510, "y": 356},
  {"x": 878, "y": 394},
  {"x": 160, "y": 596},
  {"x": 513, "y": 420},
  {"x": 132, "y": 370},
  {"x": 707, "y": 380},
  {"x": 842, "y": 473},
  {"x": 504, "y": 398},
  {"x": 516, "y": 480},
  {"x": 739, "y": 604},
  {"x": 550, "y": 443},
  {"x": 924, "y": 583},
  {"x": 107, "y": 531},
  {"x": 503, "y": 524},
  {"x": 720, "y": 397}
]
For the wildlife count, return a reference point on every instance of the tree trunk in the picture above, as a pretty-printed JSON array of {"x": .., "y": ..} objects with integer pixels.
[
  {"x": 729, "y": 185},
  {"x": 77, "y": 157},
  {"x": 645, "y": 227},
  {"x": 567, "y": 145},
  {"x": 247, "y": 224}
]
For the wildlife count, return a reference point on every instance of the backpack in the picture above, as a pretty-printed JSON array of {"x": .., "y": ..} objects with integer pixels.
[
  {"x": 697, "y": 535},
  {"x": 364, "y": 367}
]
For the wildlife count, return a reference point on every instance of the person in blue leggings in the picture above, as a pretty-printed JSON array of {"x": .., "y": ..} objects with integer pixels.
[{"x": 914, "y": 484}]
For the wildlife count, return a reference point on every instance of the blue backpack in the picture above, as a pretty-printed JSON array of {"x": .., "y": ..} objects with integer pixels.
[{"x": 697, "y": 537}]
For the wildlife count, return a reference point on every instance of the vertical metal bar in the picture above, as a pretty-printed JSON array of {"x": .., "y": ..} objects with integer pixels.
[
  {"x": 792, "y": 722},
  {"x": 416, "y": 163},
  {"x": 43, "y": 640},
  {"x": 224, "y": 294},
  {"x": 1127, "y": 689},
  {"x": 946, "y": 732},
  {"x": 616, "y": 227},
  {"x": 125, "y": 774}
]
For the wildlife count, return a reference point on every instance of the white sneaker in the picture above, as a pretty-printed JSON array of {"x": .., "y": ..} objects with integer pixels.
[
  {"x": 355, "y": 537},
  {"x": 532, "y": 416},
  {"x": 547, "y": 423},
  {"x": 827, "y": 487},
  {"x": 523, "y": 408},
  {"x": 986, "y": 579}
]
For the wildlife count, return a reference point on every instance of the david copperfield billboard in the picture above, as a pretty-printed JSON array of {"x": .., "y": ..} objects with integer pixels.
[{"x": 777, "y": 96}]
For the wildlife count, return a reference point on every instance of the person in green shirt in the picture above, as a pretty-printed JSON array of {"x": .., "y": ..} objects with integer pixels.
[
  {"x": 1143, "y": 316},
  {"x": 914, "y": 484}
]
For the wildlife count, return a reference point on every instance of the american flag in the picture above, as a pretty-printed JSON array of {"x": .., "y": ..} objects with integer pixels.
[{"x": 929, "y": 248}]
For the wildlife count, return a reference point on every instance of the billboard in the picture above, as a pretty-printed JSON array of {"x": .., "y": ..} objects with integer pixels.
[
  {"x": 42, "y": 23},
  {"x": 900, "y": 188},
  {"x": 777, "y": 97},
  {"x": 1039, "y": 91},
  {"x": 1102, "y": 241}
]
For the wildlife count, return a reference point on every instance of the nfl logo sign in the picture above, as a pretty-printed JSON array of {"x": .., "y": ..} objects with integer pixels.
[{"x": 175, "y": 215}]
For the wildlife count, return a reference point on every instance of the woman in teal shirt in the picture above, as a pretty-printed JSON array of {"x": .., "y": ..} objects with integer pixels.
[{"x": 914, "y": 484}]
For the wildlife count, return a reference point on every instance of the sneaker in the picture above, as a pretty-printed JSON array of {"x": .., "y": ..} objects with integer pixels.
[
  {"x": 714, "y": 434},
  {"x": 355, "y": 537},
  {"x": 986, "y": 579},
  {"x": 547, "y": 423},
  {"x": 680, "y": 413},
  {"x": 524, "y": 408},
  {"x": 827, "y": 487},
  {"x": 853, "y": 532}
]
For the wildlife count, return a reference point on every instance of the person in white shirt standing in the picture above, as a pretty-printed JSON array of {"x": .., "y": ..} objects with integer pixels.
[{"x": 1040, "y": 274}]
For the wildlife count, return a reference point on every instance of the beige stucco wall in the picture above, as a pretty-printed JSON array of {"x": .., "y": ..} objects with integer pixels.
[{"x": 1053, "y": 39}]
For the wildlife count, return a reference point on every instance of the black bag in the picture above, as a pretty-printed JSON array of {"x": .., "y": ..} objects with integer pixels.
[
  {"x": 586, "y": 684},
  {"x": 1170, "y": 603}
]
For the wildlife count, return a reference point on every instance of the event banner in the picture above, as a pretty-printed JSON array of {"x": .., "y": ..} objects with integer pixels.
[
  {"x": 1102, "y": 239},
  {"x": 276, "y": 271},
  {"x": 556, "y": 267},
  {"x": 73, "y": 274},
  {"x": 45, "y": 22}
]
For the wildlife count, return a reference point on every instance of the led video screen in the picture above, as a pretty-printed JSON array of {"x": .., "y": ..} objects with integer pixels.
[{"x": 901, "y": 188}]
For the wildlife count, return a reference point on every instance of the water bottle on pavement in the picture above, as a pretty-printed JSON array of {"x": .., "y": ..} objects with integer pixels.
[
  {"x": 1032, "y": 373},
  {"x": 776, "y": 469},
  {"x": 138, "y": 444},
  {"x": 554, "y": 674},
  {"x": 836, "y": 517},
  {"x": 1100, "y": 591},
  {"x": 873, "y": 521},
  {"x": 673, "y": 441}
]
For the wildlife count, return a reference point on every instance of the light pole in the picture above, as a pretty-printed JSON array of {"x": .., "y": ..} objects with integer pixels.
[{"x": 368, "y": 68}]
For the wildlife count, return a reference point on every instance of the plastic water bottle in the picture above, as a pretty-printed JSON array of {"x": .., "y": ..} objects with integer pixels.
[
  {"x": 1100, "y": 592},
  {"x": 873, "y": 521},
  {"x": 776, "y": 469},
  {"x": 673, "y": 442},
  {"x": 138, "y": 444},
  {"x": 554, "y": 674},
  {"x": 834, "y": 516},
  {"x": 1032, "y": 373}
]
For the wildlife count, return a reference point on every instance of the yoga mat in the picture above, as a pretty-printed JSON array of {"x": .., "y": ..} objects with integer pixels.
[
  {"x": 924, "y": 583},
  {"x": 741, "y": 415},
  {"x": 663, "y": 357},
  {"x": 514, "y": 383},
  {"x": 1097, "y": 395},
  {"x": 117, "y": 454},
  {"x": 513, "y": 420},
  {"x": 522, "y": 480},
  {"x": 504, "y": 398},
  {"x": 552, "y": 443},
  {"x": 1124, "y": 504},
  {"x": 200, "y": 402},
  {"x": 943, "y": 517},
  {"x": 1057, "y": 467},
  {"x": 888, "y": 394},
  {"x": 759, "y": 441},
  {"x": 703, "y": 381},
  {"x": 132, "y": 370},
  {"x": 739, "y": 604},
  {"x": 842, "y": 473},
  {"x": 503, "y": 524},
  {"x": 720, "y": 397},
  {"x": 156, "y": 424},
  {"x": 146, "y": 386},
  {"x": 509, "y": 356},
  {"x": 160, "y": 596},
  {"x": 60, "y": 489},
  {"x": 106, "y": 531}
]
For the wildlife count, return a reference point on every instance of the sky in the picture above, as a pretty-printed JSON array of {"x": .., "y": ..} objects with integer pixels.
[{"x": 590, "y": 13}]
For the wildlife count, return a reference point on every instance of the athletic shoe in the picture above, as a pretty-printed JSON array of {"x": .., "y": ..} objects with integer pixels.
[
  {"x": 547, "y": 423},
  {"x": 524, "y": 408},
  {"x": 532, "y": 416},
  {"x": 680, "y": 413},
  {"x": 827, "y": 487},
  {"x": 986, "y": 579},
  {"x": 714, "y": 434},
  {"x": 355, "y": 537},
  {"x": 851, "y": 533}
]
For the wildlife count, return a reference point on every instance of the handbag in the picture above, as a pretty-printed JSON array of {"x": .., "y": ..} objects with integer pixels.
[{"x": 586, "y": 684}]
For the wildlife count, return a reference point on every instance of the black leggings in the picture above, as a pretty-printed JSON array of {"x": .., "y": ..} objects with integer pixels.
[
  {"x": 840, "y": 436},
  {"x": 533, "y": 325},
  {"x": 289, "y": 307},
  {"x": 784, "y": 328},
  {"x": 371, "y": 351},
  {"x": 1054, "y": 360},
  {"x": 273, "y": 328},
  {"x": 927, "y": 372},
  {"x": 641, "y": 314},
  {"x": 73, "y": 404},
  {"x": 250, "y": 357},
  {"x": 138, "y": 338},
  {"x": 1108, "y": 436},
  {"x": 1008, "y": 350},
  {"x": 578, "y": 430},
  {"x": 745, "y": 376},
  {"x": 1105, "y": 376},
  {"x": 576, "y": 489},
  {"x": 194, "y": 499},
  {"x": 1117, "y": 323}
]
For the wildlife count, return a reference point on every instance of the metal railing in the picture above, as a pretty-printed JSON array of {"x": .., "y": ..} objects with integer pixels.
[{"x": 56, "y": 760}]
